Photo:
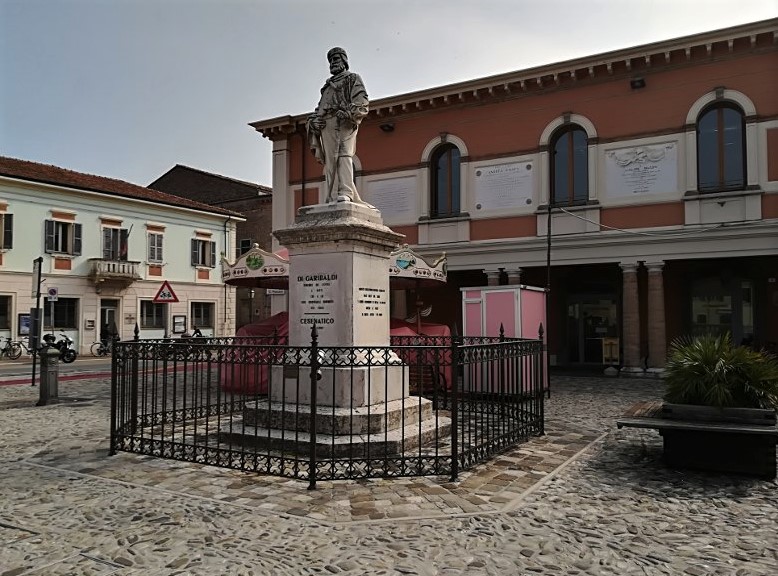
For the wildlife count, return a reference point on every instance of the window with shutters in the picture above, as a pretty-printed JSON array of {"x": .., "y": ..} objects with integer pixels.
[
  {"x": 115, "y": 243},
  {"x": 203, "y": 314},
  {"x": 62, "y": 237},
  {"x": 203, "y": 253},
  {"x": 155, "y": 247},
  {"x": 6, "y": 231},
  {"x": 152, "y": 314}
]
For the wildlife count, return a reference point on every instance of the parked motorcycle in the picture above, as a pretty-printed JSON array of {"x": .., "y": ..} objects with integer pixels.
[{"x": 67, "y": 353}]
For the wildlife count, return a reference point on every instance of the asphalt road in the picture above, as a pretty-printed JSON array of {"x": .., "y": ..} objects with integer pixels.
[{"x": 15, "y": 371}]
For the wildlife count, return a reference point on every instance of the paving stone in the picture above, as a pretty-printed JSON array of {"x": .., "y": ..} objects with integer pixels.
[{"x": 68, "y": 508}]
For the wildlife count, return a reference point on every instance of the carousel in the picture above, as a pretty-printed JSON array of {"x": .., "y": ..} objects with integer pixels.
[{"x": 257, "y": 268}]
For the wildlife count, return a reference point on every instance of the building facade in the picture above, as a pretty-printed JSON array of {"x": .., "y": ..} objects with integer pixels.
[
  {"x": 251, "y": 200},
  {"x": 640, "y": 186},
  {"x": 106, "y": 247}
]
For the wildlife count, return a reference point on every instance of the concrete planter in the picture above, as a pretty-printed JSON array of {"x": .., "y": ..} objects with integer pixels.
[{"x": 735, "y": 440}]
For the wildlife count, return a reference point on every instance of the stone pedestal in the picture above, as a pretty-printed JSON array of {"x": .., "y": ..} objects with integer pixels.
[
  {"x": 338, "y": 279},
  {"x": 339, "y": 282}
]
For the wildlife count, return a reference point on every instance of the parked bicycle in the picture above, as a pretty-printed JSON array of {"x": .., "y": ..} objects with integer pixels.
[
  {"x": 102, "y": 348},
  {"x": 24, "y": 344},
  {"x": 11, "y": 349}
]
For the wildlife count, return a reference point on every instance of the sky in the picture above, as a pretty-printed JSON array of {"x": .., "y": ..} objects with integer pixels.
[{"x": 130, "y": 88}]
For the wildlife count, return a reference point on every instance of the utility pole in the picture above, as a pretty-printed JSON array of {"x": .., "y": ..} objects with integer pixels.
[{"x": 35, "y": 314}]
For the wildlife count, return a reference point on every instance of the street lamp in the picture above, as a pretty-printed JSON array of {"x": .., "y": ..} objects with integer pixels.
[{"x": 251, "y": 306}]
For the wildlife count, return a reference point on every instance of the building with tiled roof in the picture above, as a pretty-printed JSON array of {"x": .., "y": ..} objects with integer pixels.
[
  {"x": 253, "y": 201},
  {"x": 107, "y": 246}
]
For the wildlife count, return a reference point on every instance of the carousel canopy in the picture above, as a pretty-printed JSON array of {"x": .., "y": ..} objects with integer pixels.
[{"x": 259, "y": 269}]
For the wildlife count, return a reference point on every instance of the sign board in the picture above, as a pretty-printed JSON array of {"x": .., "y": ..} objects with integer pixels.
[
  {"x": 36, "y": 277},
  {"x": 165, "y": 294},
  {"x": 53, "y": 293}
]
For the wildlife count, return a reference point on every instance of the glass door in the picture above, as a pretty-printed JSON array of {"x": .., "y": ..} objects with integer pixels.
[{"x": 592, "y": 329}]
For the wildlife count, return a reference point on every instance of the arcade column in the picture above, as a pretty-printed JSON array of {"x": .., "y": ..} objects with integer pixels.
[
  {"x": 492, "y": 277},
  {"x": 630, "y": 320},
  {"x": 657, "y": 340}
]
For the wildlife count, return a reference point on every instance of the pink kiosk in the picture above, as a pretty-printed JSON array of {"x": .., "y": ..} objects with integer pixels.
[{"x": 519, "y": 309}]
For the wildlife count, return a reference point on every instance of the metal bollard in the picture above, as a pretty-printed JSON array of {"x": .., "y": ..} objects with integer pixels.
[{"x": 49, "y": 380}]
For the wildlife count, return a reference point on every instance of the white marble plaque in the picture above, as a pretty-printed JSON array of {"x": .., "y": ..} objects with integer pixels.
[
  {"x": 641, "y": 170},
  {"x": 504, "y": 186},
  {"x": 317, "y": 294},
  {"x": 371, "y": 302},
  {"x": 395, "y": 198}
]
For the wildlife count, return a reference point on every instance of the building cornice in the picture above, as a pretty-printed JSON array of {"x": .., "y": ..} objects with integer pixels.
[
  {"x": 675, "y": 243},
  {"x": 639, "y": 60}
]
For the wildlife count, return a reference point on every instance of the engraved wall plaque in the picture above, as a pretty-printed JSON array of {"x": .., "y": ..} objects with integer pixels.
[{"x": 641, "y": 170}]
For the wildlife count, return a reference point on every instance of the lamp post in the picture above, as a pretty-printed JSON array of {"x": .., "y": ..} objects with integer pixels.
[{"x": 251, "y": 306}]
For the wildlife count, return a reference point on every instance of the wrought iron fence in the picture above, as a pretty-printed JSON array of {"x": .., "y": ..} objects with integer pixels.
[{"x": 421, "y": 406}]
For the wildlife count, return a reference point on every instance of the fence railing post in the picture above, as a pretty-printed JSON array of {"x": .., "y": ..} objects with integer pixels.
[
  {"x": 454, "y": 408},
  {"x": 134, "y": 379},
  {"x": 542, "y": 370},
  {"x": 315, "y": 376}
]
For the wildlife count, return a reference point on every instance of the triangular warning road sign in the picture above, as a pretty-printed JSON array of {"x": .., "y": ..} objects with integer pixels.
[{"x": 165, "y": 294}]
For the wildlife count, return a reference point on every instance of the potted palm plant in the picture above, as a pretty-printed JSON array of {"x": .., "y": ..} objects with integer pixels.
[{"x": 727, "y": 397}]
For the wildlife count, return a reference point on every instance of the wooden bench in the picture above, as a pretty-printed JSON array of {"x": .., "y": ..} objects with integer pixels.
[{"x": 723, "y": 440}]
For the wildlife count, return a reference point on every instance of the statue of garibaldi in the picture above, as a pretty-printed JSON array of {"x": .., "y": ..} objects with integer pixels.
[{"x": 332, "y": 128}]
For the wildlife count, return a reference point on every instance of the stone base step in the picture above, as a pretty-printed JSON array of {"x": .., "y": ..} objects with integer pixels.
[
  {"x": 339, "y": 421},
  {"x": 397, "y": 441}
]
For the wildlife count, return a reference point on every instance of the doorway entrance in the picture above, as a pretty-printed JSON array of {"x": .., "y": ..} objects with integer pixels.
[
  {"x": 109, "y": 312},
  {"x": 720, "y": 306},
  {"x": 592, "y": 329}
]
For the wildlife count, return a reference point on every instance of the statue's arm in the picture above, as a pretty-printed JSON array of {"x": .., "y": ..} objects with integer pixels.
[{"x": 359, "y": 101}]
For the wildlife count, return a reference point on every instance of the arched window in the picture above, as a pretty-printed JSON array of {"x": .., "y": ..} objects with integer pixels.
[
  {"x": 445, "y": 186},
  {"x": 569, "y": 166},
  {"x": 721, "y": 148}
]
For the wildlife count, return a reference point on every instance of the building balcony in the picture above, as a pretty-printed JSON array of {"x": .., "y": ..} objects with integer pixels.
[{"x": 116, "y": 273}]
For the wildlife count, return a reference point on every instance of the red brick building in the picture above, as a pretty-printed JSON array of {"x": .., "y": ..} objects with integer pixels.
[{"x": 659, "y": 163}]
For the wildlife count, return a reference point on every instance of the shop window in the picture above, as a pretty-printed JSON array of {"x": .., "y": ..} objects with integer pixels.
[
  {"x": 569, "y": 166},
  {"x": 445, "y": 183},
  {"x": 152, "y": 314},
  {"x": 115, "y": 243},
  {"x": 721, "y": 148},
  {"x": 203, "y": 253},
  {"x": 203, "y": 314},
  {"x": 62, "y": 237},
  {"x": 155, "y": 247},
  {"x": 6, "y": 231},
  {"x": 65, "y": 312},
  {"x": 721, "y": 306}
]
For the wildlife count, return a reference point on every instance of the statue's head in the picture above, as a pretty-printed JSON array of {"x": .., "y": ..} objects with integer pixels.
[{"x": 337, "y": 57}]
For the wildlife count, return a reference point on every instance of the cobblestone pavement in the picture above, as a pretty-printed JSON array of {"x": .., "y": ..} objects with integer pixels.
[{"x": 584, "y": 499}]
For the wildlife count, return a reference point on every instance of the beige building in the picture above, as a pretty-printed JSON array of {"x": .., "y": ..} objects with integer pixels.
[{"x": 106, "y": 248}]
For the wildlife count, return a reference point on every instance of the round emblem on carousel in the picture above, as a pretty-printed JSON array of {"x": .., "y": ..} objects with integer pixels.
[{"x": 254, "y": 261}]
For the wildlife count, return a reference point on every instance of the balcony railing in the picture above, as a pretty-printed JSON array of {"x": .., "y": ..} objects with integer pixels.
[{"x": 114, "y": 271}]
